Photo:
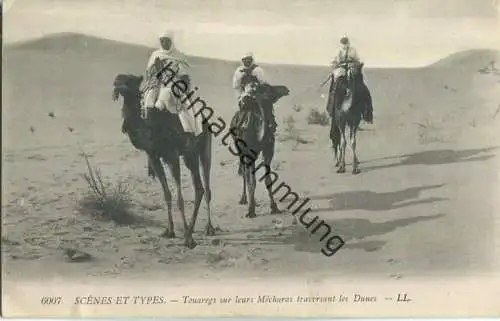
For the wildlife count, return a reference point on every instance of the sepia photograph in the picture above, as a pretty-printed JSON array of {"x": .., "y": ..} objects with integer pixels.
[{"x": 319, "y": 158}]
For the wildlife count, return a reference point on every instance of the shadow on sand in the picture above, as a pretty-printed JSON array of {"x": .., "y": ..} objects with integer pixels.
[
  {"x": 355, "y": 229},
  {"x": 347, "y": 228},
  {"x": 373, "y": 201},
  {"x": 352, "y": 231},
  {"x": 437, "y": 157}
]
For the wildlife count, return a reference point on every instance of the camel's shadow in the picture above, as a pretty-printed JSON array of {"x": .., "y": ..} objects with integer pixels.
[
  {"x": 351, "y": 229},
  {"x": 436, "y": 157},
  {"x": 374, "y": 201},
  {"x": 348, "y": 228}
]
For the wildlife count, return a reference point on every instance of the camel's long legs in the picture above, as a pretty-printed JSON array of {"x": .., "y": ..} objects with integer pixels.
[
  {"x": 343, "y": 144},
  {"x": 335, "y": 138},
  {"x": 157, "y": 167},
  {"x": 355, "y": 161},
  {"x": 243, "y": 199},
  {"x": 249, "y": 171},
  {"x": 268, "y": 154},
  {"x": 192, "y": 163},
  {"x": 175, "y": 169},
  {"x": 206, "y": 164}
]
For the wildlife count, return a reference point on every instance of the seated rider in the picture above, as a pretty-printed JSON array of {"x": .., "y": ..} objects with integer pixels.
[
  {"x": 247, "y": 73},
  {"x": 167, "y": 54},
  {"x": 348, "y": 54}
]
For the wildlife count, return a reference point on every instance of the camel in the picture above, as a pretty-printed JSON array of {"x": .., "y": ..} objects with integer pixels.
[
  {"x": 253, "y": 135},
  {"x": 347, "y": 111},
  {"x": 160, "y": 139}
]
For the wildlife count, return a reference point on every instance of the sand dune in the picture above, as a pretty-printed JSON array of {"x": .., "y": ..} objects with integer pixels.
[
  {"x": 469, "y": 60},
  {"x": 426, "y": 165}
]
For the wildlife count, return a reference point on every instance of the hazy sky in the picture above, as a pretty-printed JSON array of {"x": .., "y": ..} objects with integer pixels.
[{"x": 385, "y": 32}]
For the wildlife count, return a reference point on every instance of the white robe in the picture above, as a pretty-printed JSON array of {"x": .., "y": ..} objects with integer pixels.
[
  {"x": 178, "y": 59},
  {"x": 258, "y": 72},
  {"x": 163, "y": 97},
  {"x": 345, "y": 52}
]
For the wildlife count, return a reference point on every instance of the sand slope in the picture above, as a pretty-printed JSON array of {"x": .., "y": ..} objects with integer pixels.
[{"x": 423, "y": 204}]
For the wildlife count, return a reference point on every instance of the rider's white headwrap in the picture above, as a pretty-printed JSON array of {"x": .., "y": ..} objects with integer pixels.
[
  {"x": 346, "y": 39},
  {"x": 247, "y": 55},
  {"x": 171, "y": 53},
  {"x": 167, "y": 34}
]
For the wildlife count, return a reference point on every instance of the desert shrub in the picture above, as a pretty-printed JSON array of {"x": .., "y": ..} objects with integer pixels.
[
  {"x": 490, "y": 69},
  {"x": 316, "y": 117},
  {"x": 291, "y": 132},
  {"x": 289, "y": 123},
  {"x": 429, "y": 132},
  {"x": 297, "y": 108},
  {"x": 106, "y": 201}
]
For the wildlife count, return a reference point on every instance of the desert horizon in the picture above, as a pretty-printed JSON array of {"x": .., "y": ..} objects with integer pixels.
[
  {"x": 386, "y": 33},
  {"x": 78, "y": 38}
]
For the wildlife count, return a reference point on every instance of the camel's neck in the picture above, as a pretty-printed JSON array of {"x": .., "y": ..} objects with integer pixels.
[
  {"x": 132, "y": 108},
  {"x": 253, "y": 133},
  {"x": 136, "y": 127}
]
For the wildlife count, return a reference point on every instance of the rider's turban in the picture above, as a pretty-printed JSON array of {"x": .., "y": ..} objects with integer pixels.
[
  {"x": 166, "y": 34},
  {"x": 247, "y": 55}
]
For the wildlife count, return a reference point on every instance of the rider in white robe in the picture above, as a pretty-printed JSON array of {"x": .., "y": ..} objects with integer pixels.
[
  {"x": 159, "y": 93},
  {"x": 248, "y": 71},
  {"x": 348, "y": 54}
]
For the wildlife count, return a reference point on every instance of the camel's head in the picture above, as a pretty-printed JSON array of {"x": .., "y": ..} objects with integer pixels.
[
  {"x": 281, "y": 91},
  {"x": 271, "y": 93},
  {"x": 126, "y": 85}
]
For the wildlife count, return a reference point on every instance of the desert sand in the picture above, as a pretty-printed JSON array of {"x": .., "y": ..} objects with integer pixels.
[{"x": 423, "y": 205}]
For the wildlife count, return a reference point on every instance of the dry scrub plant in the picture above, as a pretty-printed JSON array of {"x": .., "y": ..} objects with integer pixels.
[
  {"x": 316, "y": 117},
  {"x": 106, "y": 201}
]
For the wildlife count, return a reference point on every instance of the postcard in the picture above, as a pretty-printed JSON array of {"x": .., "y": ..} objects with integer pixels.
[{"x": 300, "y": 158}]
